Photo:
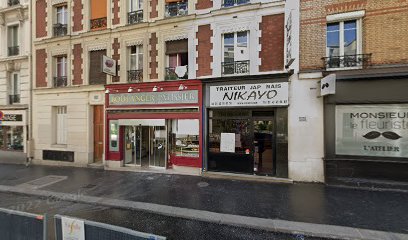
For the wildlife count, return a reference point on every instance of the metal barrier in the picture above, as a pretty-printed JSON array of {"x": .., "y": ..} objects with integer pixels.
[
  {"x": 83, "y": 229},
  {"x": 21, "y": 225}
]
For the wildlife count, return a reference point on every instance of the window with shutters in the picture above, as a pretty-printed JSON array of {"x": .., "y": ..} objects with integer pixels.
[
  {"x": 96, "y": 76},
  {"x": 61, "y": 124}
]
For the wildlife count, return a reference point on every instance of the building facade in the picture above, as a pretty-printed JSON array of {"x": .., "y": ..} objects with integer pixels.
[
  {"x": 15, "y": 82},
  {"x": 360, "y": 45}
]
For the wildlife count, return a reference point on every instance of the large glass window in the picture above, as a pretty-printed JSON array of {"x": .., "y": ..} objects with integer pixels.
[
  {"x": 184, "y": 138},
  {"x": 12, "y": 138}
]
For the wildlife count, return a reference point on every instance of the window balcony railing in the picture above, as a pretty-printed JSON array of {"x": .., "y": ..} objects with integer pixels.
[
  {"x": 177, "y": 9},
  {"x": 60, "y": 81},
  {"x": 231, "y": 3},
  {"x": 135, "y": 17},
  {"x": 135, "y": 76},
  {"x": 347, "y": 61},
  {"x": 14, "y": 98},
  {"x": 60, "y": 29},
  {"x": 99, "y": 23},
  {"x": 237, "y": 67},
  {"x": 13, "y": 2},
  {"x": 13, "y": 51},
  {"x": 176, "y": 73}
]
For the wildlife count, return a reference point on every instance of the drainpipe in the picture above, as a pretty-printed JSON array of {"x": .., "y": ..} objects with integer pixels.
[{"x": 30, "y": 141}]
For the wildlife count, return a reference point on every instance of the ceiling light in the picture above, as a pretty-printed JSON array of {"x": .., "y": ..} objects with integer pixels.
[
  {"x": 154, "y": 89},
  {"x": 107, "y": 91},
  {"x": 130, "y": 90}
]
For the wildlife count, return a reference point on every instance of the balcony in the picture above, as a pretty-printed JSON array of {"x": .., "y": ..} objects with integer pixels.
[
  {"x": 13, "y": 51},
  {"x": 60, "y": 29},
  {"x": 231, "y": 3},
  {"x": 14, "y": 99},
  {"x": 176, "y": 73},
  {"x": 60, "y": 81},
  {"x": 99, "y": 23},
  {"x": 347, "y": 61},
  {"x": 13, "y": 2},
  {"x": 135, "y": 17},
  {"x": 176, "y": 9},
  {"x": 135, "y": 76},
  {"x": 237, "y": 67}
]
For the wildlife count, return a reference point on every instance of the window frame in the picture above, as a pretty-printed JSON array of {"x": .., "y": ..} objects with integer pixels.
[
  {"x": 13, "y": 41},
  {"x": 65, "y": 14},
  {"x": 139, "y": 51},
  {"x": 235, "y": 45},
  {"x": 64, "y": 61}
]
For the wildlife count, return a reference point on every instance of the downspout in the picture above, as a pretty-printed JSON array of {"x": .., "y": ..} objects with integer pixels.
[{"x": 30, "y": 112}]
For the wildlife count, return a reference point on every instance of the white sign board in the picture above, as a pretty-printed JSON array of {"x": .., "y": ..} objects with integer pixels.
[
  {"x": 72, "y": 229},
  {"x": 372, "y": 130},
  {"x": 227, "y": 142},
  {"x": 109, "y": 65},
  {"x": 246, "y": 95},
  {"x": 328, "y": 85}
]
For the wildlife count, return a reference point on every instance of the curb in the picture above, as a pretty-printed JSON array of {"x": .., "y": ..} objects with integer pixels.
[{"x": 271, "y": 225}]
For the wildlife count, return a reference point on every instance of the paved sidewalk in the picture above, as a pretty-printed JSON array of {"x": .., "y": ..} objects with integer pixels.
[{"x": 307, "y": 203}]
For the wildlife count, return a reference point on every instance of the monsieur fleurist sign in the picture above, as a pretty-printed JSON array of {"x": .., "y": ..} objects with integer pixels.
[
  {"x": 372, "y": 130},
  {"x": 146, "y": 98},
  {"x": 245, "y": 95}
]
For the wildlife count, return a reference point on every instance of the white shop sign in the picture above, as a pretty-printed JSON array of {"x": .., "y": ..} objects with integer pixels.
[
  {"x": 372, "y": 130},
  {"x": 246, "y": 95}
]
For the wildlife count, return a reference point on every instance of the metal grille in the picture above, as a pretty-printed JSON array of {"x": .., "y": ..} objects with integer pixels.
[{"x": 19, "y": 225}]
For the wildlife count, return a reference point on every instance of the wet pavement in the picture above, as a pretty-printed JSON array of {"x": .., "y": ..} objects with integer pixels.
[{"x": 311, "y": 203}]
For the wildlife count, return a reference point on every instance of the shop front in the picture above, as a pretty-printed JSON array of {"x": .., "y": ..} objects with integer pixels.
[
  {"x": 13, "y": 136},
  {"x": 154, "y": 125},
  {"x": 247, "y": 127}
]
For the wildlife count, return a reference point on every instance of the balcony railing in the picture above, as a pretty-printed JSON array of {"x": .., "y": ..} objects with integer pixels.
[
  {"x": 177, "y": 9},
  {"x": 13, "y": 2},
  {"x": 347, "y": 61},
  {"x": 60, "y": 82},
  {"x": 135, "y": 76},
  {"x": 13, "y": 51},
  {"x": 176, "y": 73},
  {"x": 14, "y": 99},
  {"x": 99, "y": 23},
  {"x": 237, "y": 67},
  {"x": 60, "y": 29},
  {"x": 135, "y": 17},
  {"x": 231, "y": 3}
]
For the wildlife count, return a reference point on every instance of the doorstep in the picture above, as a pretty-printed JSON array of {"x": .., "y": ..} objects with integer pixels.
[
  {"x": 245, "y": 177},
  {"x": 179, "y": 170}
]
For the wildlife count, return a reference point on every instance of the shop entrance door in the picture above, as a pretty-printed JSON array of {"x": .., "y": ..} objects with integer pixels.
[
  {"x": 98, "y": 127},
  {"x": 264, "y": 147}
]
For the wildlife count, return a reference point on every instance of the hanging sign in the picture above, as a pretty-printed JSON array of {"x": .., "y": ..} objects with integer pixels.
[{"x": 109, "y": 65}]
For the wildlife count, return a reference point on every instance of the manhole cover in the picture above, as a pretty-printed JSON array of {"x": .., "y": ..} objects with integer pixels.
[
  {"x": 43, "y": 182},
  {"x": 203, "y": 184}
]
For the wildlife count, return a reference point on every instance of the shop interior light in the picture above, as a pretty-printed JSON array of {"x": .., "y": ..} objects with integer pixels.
[
  {"x": 154, "y": 89},
  {"x": 107, "y": 91},
  {"x": 130, "y": 90}
]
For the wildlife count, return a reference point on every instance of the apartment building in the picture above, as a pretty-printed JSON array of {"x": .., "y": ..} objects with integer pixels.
[
  {"x": 360, "y": 48},
  {"x": 15, "y": 83}
]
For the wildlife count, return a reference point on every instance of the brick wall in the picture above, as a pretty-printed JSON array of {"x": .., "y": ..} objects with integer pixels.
[
  {"x": 153, "y": 5},
  {"x": 77, "y": 16},
  {"x": 77, "y": 64},
  {"x": 204, "y": 4},
  {"x": 153, "y": 57},
  {"x": 272, "y": 42},
  {"x": 115, "y": 12},
  {"x": 41, "y": 67},
  {"x": 204, "y": 47},
  {"x": 381, "y": 30},
  {"x": 116, "y": 56},
  {"x": 41, "y": 18}
]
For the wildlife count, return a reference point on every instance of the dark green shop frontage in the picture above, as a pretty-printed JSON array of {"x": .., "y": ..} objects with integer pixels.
[{"x": 246, "y": 127}]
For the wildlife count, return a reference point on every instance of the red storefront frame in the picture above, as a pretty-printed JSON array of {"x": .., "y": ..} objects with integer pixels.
[{"x": 125, "y": 114}]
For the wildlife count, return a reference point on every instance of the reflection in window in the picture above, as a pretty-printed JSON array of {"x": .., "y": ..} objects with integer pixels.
[
  {"x": 333, "y": 39},
  {"x": 184, "y": 138},
  {"x": 350, "y": 38},
  {"x": 11, "y": 138},
  {"x": 114, "y": 136}
]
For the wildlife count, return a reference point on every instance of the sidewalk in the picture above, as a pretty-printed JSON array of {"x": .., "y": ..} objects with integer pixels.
[{"x": 307, "y": 203}]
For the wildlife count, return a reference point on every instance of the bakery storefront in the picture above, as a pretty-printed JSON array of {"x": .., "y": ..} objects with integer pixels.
[
  {"x": 13, "y": 136},
  {"x": 247, "y": 127},
  {"x": 154, "y": 125}
]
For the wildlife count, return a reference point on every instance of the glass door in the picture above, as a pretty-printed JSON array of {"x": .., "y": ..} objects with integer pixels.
[
  {"x": 159, "y": 146},
  {"x": 264, "y": 147}
]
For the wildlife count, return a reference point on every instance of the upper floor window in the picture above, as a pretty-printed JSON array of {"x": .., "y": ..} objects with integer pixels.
[
  {"x": 13, "y": 48},
  {"x": 176, "y": 8},
  {"x": 14, "y": 88},
  {"x": 61, "y": 24},
  {"x": 60, "y": 79},
  {"x": 135, "y": 14},
  {"x": 13, "y": 2},
  {"x": 98, "y": 14},
  {"x": 135, "y": 69},
  {"x": 236, "y": 53},
  {"x": 231, "y": 3},
  {"x": 177, "y": 59}
]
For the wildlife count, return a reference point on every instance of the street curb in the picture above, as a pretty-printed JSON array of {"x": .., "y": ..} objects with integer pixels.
[{"x": 271, "y": 225}]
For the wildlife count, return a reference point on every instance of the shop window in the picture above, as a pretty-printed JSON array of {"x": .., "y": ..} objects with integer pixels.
[
  {"x": 135, "y": 69},
  {"x": 177, "y": 59},
  {"x": 13, "y": 48},
  {"x": 135, "y": 14},
  {"x": 96, "y": 76},
  {"x": 60, "y": 79},
  {"x": 184, "y": 138},
  {"x": 235, "y": 53},
  {"x": 14, "y": 89},
  {"x": 12, "y": 138},
  {"x": 61, "y": 124},
  {"x": 113, "y": 136},
  {"x": 61, "y": 20}
]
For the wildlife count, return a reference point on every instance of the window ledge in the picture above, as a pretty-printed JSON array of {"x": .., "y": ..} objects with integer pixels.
[
  {"x": 59, "y": 145},
  {"x": 344, "y": 68}
]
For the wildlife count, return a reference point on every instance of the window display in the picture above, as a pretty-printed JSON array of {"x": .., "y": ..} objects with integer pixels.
[
  {"x": 184, "y": 138},
  {"x": 12, "y": 138},
  {"x": 113, "y": 131}
]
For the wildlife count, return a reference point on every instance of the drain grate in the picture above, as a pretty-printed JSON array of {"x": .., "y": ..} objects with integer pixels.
[{"x": 43, "y": 181}]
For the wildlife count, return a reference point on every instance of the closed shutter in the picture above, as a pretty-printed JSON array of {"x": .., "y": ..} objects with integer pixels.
[
  {"x": 179, "y": 46},
  {"x": 61, "y": 121},
  {"x": 96, "y": 76}
]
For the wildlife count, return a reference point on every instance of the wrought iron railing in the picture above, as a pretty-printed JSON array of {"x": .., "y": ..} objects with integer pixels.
[
  {"x": 99, "y": 23},
  {"x": 347, "y": 61},
  {"x": 230, "y": 3},
  {"x": 135, "y": 76},
  {"x": 171, "y": 73},
  {"x": 135, "y": 17},
  {"x": 237, "y": 67},
  {"x": 13, "y": 2},
  {"x": 176, "y": 9},
  {"x": 60, "y": 81},
  {"x": 60, "y": 29},
  {"x": 13, "y": 51},
  {"x": 14, "y": 98}
]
